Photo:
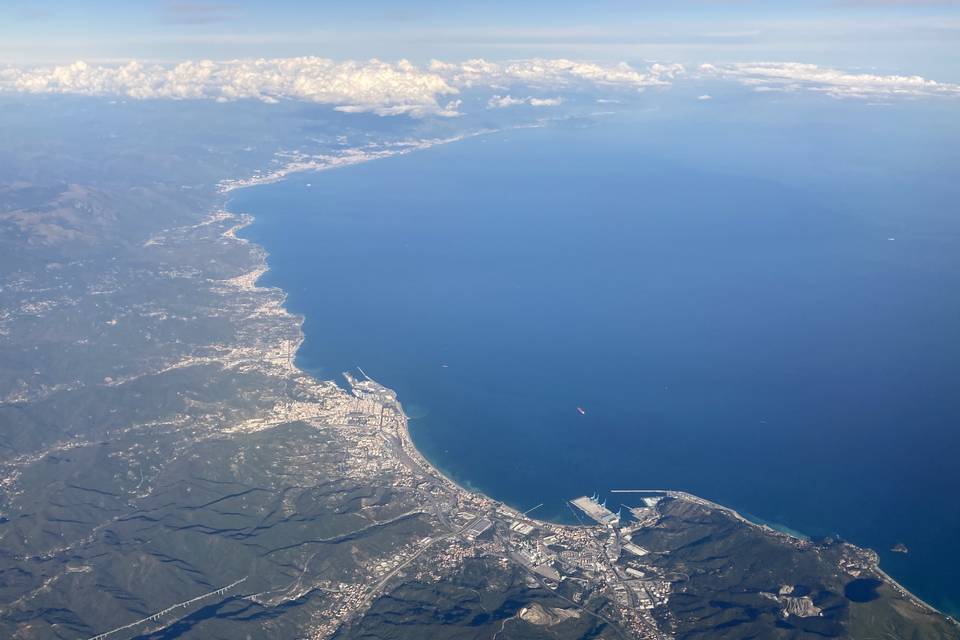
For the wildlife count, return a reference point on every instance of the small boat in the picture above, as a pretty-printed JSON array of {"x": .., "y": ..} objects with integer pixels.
[{"x": 582, "y": 411}]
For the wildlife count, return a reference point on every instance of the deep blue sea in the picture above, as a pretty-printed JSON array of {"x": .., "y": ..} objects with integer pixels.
[{"x": 757, "y": 301}]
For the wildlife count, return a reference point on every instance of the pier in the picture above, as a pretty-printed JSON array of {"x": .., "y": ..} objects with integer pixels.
[{"x": 596, "y": 511}]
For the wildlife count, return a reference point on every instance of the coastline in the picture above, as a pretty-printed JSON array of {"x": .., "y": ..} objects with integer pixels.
[
  {"x": 412, "y": 450},
  {"x": 428, "y": 467},
  {"x": 250, "y": 279},
  {"x": 303, "y": 163}
]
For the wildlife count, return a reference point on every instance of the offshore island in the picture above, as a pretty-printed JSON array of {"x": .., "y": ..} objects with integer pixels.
[{"x": 169, "y": 472}]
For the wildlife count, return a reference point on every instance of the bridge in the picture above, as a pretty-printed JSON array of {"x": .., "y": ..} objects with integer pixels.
[{"x": 159, "y": 614}]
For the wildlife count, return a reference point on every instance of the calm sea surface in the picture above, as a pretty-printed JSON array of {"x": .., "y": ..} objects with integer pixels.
[{"x": 758, "y": 303}]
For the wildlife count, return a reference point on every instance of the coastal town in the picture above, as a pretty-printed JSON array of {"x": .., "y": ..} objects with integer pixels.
[
  {"x": 561, "y": 558},
  {"x": 595, "y": 557}
]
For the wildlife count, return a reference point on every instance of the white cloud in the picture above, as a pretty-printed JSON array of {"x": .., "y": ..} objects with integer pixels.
[
  {"x": 499, "y": 102},
  {"x": 705, "y": 97},
  {"x": 544, "y": 102},
  {"x": 374, "y": 86},
  {"x": 381, "y": 87},
  {"x": 391, "y": 88},
  {"x": 557, "y": 72},
  {"x": 795, "y": 76}
]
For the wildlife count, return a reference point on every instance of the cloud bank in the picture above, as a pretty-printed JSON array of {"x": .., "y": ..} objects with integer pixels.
[
  {"x": 796, "y": 76},
  {"x": 384, "y": 88},
  {"x": 392, "y": 88},
  {"x": 554, "y": 72},
  {"x": 381, "y": 87}
]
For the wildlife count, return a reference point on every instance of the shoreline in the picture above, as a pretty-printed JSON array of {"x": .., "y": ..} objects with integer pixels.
[
  {"x": 410, "y": 448},
  {"x": 407, "y": 444}
]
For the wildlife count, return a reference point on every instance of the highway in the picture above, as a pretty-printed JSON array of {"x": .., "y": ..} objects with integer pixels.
[{"x": 159, "y": 614}]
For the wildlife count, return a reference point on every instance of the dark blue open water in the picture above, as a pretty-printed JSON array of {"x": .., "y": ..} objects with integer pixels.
[{"x": 718, "y": 289}]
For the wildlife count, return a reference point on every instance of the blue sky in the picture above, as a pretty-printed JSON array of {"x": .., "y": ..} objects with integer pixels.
[{"x": 903, "y": 36}]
